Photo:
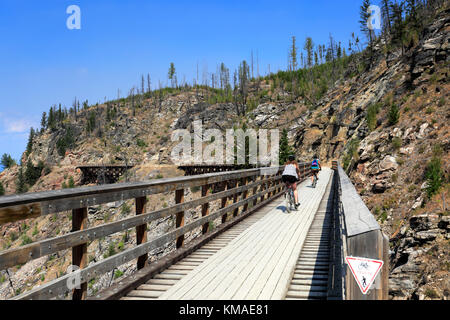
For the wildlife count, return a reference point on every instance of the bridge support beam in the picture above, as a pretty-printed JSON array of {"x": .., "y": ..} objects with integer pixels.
[
  {"x": 79, "y": 253},
  {"x": 179, "y": 198},
  {"x": 141, "y": 231},
  {"x": 206, "y": 191}
]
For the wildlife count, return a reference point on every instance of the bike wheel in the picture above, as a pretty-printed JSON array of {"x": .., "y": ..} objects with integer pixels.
[
  {"x": 288, "y": 201},
  {"x": 291, "y": 199}
]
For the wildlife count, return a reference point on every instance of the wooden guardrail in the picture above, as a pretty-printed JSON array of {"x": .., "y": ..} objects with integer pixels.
[
  {"x": 236, "y": 185},
  {"x": 356, "y": 233}
]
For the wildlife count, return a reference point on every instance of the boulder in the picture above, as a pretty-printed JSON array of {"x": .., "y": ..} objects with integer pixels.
[
  {"x": 428, "y": 235},
  {"x": 424, "y": 222},
  {"x": 388, "y": 163}
]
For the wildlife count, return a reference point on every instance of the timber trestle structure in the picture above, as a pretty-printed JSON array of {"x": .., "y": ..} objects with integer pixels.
[{"x": 102, "y": 174}]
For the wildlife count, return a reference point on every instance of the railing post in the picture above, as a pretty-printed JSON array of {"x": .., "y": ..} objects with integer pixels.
[
  {"x": 205, "y": 207},
  {"x": 141, "y": 231},
  {"x": 79, "y": 253},
  {"x": 179, "y": 198},
  {"x": 245, "y": 194},
  {"x": 224, "y": 202},
  {"x": 235, "y": 197},
  {"x": 263, "y": 187},
  {"x": 255, "y": 190}
]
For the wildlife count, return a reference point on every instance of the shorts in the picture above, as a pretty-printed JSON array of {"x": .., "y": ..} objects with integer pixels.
[
  {"x": 315, "y": 171},
  {"x": 289, "y": 179}
]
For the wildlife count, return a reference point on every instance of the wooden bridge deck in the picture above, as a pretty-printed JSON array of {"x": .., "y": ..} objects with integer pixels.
[{"x": 255, "y": 260}]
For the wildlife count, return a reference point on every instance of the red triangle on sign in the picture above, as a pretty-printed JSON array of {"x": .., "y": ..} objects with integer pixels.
[{"x": 364, "y": 270}]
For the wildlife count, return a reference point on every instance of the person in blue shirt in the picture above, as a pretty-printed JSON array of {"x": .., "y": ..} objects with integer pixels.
[{"x": 315, "y": 168}]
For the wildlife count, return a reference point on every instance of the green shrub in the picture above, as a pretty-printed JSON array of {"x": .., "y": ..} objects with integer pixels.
[
  {"x": 26, "y": 240},
  {"x": 141, "y": 143},
  {"x": 2, "y": 189},
  {"x": 431, "y": 293},
  {"x": 429, "y": 110},
  {"x": 433, "y": 172},
  {"x": 371, "y": 116},
  {"x": 352, "y": 153},
  {"x": 126, "y": 209},
  {"x": 394, "y": 114},
  {"x": 396, "y": 143},
  {"x": 111, "y": 251},
  {"x": 13, "y": 236},
  {"x": 118, "y": 274},
  {"x": 71, "y": 182}
]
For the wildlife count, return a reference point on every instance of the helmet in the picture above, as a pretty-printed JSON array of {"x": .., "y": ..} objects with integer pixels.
[{"x": 291, "y": 157}]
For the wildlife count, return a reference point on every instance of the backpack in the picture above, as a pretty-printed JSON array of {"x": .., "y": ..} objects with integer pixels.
[{"x": 315, "y": 163}]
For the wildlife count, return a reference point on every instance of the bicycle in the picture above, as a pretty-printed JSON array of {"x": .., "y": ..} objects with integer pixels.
[
  {"x": 290, "y": 198},
  {"x": 314, "y": 181}
]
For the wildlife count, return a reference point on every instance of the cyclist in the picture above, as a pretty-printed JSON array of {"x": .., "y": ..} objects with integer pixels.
[
  {"x": 315, "y": 168},
  {"x": 291, "y": 175}
]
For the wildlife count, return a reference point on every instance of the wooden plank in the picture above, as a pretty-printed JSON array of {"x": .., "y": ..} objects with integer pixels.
[
  {"x": 79, "y": 253},
  {"x": 141, "y": 231}
]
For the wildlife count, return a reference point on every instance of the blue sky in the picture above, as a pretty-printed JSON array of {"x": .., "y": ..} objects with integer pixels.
[{"x": 44, "y": 63}]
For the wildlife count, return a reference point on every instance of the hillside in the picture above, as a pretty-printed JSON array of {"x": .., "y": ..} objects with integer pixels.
[{"x": 387, "y": 125}]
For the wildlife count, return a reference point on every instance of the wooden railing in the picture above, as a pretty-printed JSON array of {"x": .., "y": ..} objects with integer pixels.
[
  {"x": 235, "y": 185},
  {"x": 355, "y": 233}
]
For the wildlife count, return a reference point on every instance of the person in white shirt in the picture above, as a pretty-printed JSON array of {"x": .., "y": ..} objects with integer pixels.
[{"x": 291, "y": 176}]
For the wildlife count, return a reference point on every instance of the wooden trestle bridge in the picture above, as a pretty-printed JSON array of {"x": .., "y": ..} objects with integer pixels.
[{"x": 257, "y": 251}]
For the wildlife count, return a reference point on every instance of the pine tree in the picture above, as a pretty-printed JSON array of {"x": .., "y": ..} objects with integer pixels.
[
  {"x": 386, "y": 14},
  {"x": 293, "y": 55},
  {"x": 51, "y": 119},
  {"x": 149, "y": 84},
  {"x": 30, "y": 141},
  {"x": 7, "y": 161},
  {"x": 44, "y": 121},
  {"x": 285, "y": 148},
  {"x": 398, "y": 25},
  {"x": 309, "y": 47},
  {"x": 365, "y": 16},
  {"x": 172, "y": 74},
  {"x": 20, "y": 182}
]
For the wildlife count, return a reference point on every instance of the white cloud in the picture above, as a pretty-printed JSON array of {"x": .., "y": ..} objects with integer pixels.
[{"x": 21, "y": 125}]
